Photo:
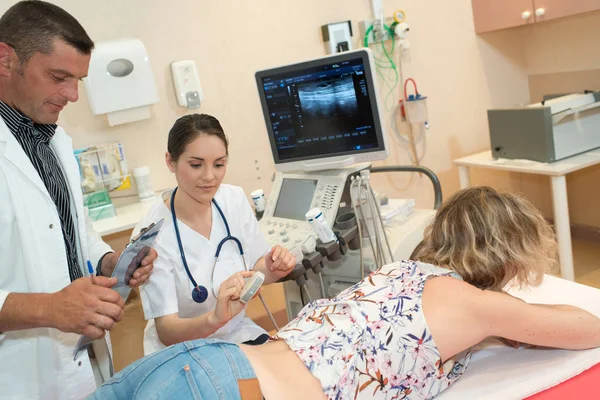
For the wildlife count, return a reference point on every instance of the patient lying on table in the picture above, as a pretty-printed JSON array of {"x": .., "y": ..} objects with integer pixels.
[{"x": 404, "y": 332}]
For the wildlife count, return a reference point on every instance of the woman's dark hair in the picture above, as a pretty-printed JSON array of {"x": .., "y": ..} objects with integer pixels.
[
  {"x": 32, "y": 26},
  {"x": 187, "y": 128}
]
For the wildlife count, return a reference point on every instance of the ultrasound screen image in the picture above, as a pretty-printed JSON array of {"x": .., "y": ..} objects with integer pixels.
[
  {"x": 328, "y": 99},
  {"x": 321, "y": 111}
]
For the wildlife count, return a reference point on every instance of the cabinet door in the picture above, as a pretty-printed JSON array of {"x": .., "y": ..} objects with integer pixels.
[
  {"x": 545, "y": 10},
  {"x": 491, "y": 15}
]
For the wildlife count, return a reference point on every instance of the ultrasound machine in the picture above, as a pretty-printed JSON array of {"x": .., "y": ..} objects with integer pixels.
[{"x": 324, "y": 128}]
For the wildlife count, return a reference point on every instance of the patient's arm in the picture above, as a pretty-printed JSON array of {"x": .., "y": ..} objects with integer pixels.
[
  {"x": 559, "y": 326},
  {"x": 555, "y": 306},
  {"x": 460, "y": 315}
]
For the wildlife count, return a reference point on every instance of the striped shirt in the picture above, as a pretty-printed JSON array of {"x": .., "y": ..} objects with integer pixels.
[{"x": 35, "y": 140}]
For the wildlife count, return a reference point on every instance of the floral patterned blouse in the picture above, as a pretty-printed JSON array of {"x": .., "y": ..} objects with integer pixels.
[{"x": 372, "y": 341}]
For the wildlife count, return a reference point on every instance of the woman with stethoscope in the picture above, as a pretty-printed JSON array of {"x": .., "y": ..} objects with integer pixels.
[{"x": 209, "y": 243}]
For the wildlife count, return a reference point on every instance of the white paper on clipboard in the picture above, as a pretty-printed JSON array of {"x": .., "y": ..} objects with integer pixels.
[{"x": 129, "y": 260}]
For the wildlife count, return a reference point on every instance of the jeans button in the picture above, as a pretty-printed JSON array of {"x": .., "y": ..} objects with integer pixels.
[{"x": 51, "y": 226}]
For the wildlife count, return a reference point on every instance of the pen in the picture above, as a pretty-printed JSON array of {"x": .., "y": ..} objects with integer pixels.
[{"x": 90, "y": 268}]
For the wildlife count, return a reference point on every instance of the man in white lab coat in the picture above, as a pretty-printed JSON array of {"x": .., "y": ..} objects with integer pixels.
[{"x": 54, "y": 269}]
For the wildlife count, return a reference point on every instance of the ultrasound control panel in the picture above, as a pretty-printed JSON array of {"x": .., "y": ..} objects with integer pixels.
[{"x": 284, "y": 222}]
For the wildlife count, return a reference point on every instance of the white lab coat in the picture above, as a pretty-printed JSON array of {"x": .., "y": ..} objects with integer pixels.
[
  {"x": 169, "y": 290},
  {"x": 38, "y": 363}
]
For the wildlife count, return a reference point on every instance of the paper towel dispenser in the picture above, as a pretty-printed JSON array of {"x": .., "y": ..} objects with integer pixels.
[
  {"x": 120, "y": 81},
  {"x": 119, "y": 68}
]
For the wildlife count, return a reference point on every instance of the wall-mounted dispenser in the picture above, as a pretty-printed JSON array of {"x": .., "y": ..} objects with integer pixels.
[
  {"x": 187, "y": 84},
  {"x": 337, "y": 37},
  {"x": 120, "y": 81}
]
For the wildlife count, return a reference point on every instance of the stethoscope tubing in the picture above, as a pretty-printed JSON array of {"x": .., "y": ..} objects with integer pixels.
[{"x": 200, "y": 293}]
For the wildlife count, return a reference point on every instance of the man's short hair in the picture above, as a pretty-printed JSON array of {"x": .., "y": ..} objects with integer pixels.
[{"x": 32, "y": 26}]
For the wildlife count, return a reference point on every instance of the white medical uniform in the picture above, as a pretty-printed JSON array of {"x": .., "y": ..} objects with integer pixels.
[
  {"x": 169, "y": 290},
  {"x": 38, "y": 363}
]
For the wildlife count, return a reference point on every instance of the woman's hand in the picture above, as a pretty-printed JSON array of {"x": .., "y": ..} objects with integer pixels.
[
  {"x": 517, "y": 345},
  {"x": 139, "y": 275},
  {"x": 228, "y": 301},
  {"x": 144, "y": 271},
  {"x": 279, "y": 262},
  {"x": 510, "y": 343}
]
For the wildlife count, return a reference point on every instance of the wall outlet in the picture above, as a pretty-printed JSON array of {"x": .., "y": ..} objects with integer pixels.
[{"x": 377, "y": 34}]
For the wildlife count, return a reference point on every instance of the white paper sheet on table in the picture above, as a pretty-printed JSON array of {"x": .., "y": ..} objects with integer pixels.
[{"x": 498, "y": 372}]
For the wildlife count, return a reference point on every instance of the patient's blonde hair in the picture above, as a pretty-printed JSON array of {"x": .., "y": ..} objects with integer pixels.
[{"x": 490, "y": 238}]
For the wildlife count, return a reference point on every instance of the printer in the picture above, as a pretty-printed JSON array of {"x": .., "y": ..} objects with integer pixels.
[{"x": 548, "y": 131}]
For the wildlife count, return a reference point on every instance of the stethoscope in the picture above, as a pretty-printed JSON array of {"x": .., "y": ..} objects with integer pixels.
[{"x": 200, "y": 293}]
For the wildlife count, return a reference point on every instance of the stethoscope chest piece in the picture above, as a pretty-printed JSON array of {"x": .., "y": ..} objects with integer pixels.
[{"x": 200, "y": 294}]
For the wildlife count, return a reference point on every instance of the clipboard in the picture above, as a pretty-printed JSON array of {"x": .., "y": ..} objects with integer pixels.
[{"x": 129, "y": 260}]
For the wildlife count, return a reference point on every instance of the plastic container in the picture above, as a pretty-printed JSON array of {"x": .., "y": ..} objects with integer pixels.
[
  {"x": 416, "y": 109},
  {"x": 319, "y": 224},
  {"x": 143, "y": 180},
  {"x": 260, "y": 202},
  {"x": 258, "y": 198}
]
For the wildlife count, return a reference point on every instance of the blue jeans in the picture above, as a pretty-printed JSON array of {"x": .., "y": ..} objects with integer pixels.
[{"x": 198, "y": 369}]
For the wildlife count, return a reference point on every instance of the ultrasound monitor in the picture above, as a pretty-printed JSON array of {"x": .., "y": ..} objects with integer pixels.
[{"x": 323, "y": 114}]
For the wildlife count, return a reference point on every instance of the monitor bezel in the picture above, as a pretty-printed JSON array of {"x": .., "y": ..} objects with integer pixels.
[{"x": 342, "y": 159}]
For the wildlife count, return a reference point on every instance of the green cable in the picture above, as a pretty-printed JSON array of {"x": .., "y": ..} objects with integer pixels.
[
  {"x": 393, "y": 67},
  {"x": 379, "y": 61},
  {"x": 389, "y": 31}
]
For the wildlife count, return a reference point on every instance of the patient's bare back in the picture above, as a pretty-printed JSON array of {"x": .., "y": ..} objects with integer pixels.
[{"x": 281, "y": 374}]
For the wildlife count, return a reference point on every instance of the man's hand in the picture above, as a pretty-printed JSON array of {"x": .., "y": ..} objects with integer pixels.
[
  {"x": 141, "y": 275},
  {"x": 87, "y": 306},
  {"x": 279, "y": 262}
]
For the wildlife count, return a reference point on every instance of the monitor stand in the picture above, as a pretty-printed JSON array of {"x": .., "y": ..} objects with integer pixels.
[
  {"x": 328, "y": 165},
  {"x": 332, "y": 168}
]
